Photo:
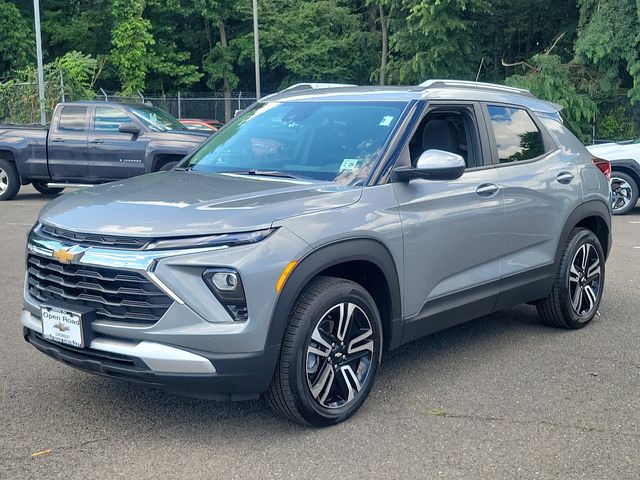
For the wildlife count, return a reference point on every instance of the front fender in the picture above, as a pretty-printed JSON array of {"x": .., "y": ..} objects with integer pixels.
[{"x": 326, "y": 256}]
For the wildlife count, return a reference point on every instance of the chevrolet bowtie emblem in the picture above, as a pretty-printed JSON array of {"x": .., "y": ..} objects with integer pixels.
[
  {"x": 69, "y": 254},
  {"x": 61, "y": 326}
]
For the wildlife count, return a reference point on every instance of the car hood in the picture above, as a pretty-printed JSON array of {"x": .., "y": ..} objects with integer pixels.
[
  {"x": 616, "y": 151},
  {"x": 178, "y": 203}
]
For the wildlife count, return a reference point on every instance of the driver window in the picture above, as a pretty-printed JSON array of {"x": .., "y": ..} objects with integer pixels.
[{"x": 449, "y": 129}]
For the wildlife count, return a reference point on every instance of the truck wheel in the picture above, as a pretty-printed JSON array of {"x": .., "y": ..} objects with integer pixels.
[
  {"x": 167, "y": 166},
  {"x": 330, "y": 354},
  {"x": 43, "y": 189},
  {"x": 624, "y": 191},
  {"x": 577, "y": 291},
  {"x": 9, "y": 180}
]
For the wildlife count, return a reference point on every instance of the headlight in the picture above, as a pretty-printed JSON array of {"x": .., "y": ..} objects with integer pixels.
[
  {"x": 226, "y": 285},
  {"x": 222, "y": 240}
]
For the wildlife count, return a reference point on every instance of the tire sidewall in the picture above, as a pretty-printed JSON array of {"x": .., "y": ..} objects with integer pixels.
[
  {"x": 314, "y": 413},
  {"x": 13, "y": 180},
  {"x": 634, "y": 192},
  {"x": 167, "y": 166},
  {"x": 580, "y": 238}
]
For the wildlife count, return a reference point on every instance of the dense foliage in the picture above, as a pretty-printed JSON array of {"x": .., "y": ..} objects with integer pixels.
[{"x": 584, "y": 54}]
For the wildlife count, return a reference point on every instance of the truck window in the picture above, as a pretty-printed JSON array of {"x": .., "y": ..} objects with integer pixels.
[
  {"x": 72, "y": 119},
  {"x": 109, "y": 119}
]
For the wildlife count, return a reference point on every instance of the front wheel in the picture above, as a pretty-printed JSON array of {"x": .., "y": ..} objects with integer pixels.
[
  {"x": 577, "y": 291},
  {"x": 330, "y": 354},
  {"x": 168, "y": 166},
  {"x": 43, "y": 189},
  {"x": 624, "y": 193}
]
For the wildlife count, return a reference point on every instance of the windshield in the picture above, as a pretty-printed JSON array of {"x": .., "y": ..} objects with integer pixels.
[
  {"x": 156, "y": 119},
  {"x": 332, "y": 141}
]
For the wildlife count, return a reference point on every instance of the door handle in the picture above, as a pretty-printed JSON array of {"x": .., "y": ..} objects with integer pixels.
[
  {"x": 564, "y": 177},
  {"x": 487, "y": 189},
  {"x": 97, "y": 140},
  {"x": 57, "y": 140}
]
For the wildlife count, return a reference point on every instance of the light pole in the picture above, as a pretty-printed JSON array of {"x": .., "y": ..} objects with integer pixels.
[
  {"x": 256, "y": 45},
  {"x": 36, "y": 14}
]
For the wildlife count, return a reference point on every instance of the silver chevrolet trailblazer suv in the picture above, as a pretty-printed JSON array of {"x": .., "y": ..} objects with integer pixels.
[{"x": 315, "y": 231}]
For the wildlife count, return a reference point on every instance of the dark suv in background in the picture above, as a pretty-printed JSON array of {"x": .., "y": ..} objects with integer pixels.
[{"x": 316, "y": 230}]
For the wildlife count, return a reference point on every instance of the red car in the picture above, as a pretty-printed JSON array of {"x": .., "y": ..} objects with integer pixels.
[{"x": 201, "y": 125}]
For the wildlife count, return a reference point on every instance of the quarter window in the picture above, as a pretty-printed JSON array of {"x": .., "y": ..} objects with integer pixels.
[
  {"x": 72, "y": 119},
  {"x": 109, "y": 119},
  {"x": 517, "y": 136}
]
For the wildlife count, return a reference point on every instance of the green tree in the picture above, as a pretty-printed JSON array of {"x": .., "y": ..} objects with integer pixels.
[
  {"x": 436, "y": 40},
  {"x": 608, "y": 39},
  {"x": 131, "y": 39},
  {"x": 321, "y": 41},
  {"x": 170, "y": 64},
  {"x": 547, "y": 77},
  {"x": 227, "y": 28},
  {"x": 17, "y": 47}
]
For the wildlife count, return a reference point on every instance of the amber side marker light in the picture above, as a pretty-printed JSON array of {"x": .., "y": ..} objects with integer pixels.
[{"x": 285, "y": 274}]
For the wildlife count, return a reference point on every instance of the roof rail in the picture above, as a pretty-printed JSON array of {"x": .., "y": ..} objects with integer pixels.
[
  {"x": 435, "y": 83},
  {"x": 313, "y": 86}
]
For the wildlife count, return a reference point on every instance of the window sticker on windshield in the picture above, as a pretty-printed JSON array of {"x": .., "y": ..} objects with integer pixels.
[
  {"x": 349, "y": 164},
  {"x": 386, "y": 121}
]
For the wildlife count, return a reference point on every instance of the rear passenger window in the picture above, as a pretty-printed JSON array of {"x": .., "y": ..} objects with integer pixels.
[
  {"x": 72, "y": 119},
  {"x": 517, "y": 136}
]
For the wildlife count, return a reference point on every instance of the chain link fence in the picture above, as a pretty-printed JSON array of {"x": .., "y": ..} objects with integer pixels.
[
  {"x": 617, "y": 119},
  {"x": 19, "y": 102},
  {"x": 205, "y": 105}
]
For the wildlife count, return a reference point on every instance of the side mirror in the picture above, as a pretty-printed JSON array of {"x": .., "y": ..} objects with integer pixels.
[
  {"x": 129, "y": 127},
  {"x": 434, "y": 165}
]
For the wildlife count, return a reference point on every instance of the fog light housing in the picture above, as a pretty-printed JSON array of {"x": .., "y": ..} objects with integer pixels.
[{"x": 226, "y": 285}]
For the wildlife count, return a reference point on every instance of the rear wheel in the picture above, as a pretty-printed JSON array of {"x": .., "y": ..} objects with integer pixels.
[
  {"x": 9, "y": 180},
  {"x": 577, "y": 291},
  {"x": 624, "y": 190},
  {"x": 43, "y": 189},
  {"x": 330, "y": 354}
]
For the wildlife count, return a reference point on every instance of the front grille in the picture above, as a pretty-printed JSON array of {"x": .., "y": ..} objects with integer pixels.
[
  {"x": 94, "y": 240},
  {"x": 115, "y": 295}
]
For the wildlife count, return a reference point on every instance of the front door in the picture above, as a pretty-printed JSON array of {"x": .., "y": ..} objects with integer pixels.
[
  {"x": 453, "y": 230},
  {"x": 112, "y": 154}
]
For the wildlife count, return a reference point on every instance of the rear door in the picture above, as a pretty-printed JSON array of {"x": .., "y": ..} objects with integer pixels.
[
  {"x": 453, "y": 230},
  {"x": 112, "y": 154},
  {"x": 67, "y": 145},
  {"x": 541, "y": 188}
]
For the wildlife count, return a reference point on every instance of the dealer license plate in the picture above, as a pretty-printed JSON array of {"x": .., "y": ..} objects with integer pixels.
[{"x": 62, "y": 326}]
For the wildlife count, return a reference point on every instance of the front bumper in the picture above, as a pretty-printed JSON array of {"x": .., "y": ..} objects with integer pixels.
[
  {"x": 193, "y": 374},
  {"x": 195, "y": 348}
]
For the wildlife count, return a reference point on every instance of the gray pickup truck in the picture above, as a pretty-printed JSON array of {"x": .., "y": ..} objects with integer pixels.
[{"x": 91, "y": 143}]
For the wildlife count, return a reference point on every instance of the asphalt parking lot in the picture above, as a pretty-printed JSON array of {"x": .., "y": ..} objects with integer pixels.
[{"x": 500, "y": 397}]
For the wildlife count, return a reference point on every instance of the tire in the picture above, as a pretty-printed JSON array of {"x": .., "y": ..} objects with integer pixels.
[
  {"x": 43, "y": 189},
  {"x": 625, "y": 193},
  {"x": 167, "y": 166},
  {"x": 559, "y": 308},
  {"x": 9, "y": 180},
  {"x": 321, "y": 383}
]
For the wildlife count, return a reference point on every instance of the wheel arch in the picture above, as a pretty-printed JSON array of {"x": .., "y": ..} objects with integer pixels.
[
  {"x": 161, "y": 159},
  {"x": 628, "y": 166},
  {"x": 363, "y": 260},
  {"x": 593, "y": 215}
]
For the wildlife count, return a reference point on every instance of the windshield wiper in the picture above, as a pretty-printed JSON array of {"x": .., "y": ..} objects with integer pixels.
[{"x": 267, "y": 173}]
